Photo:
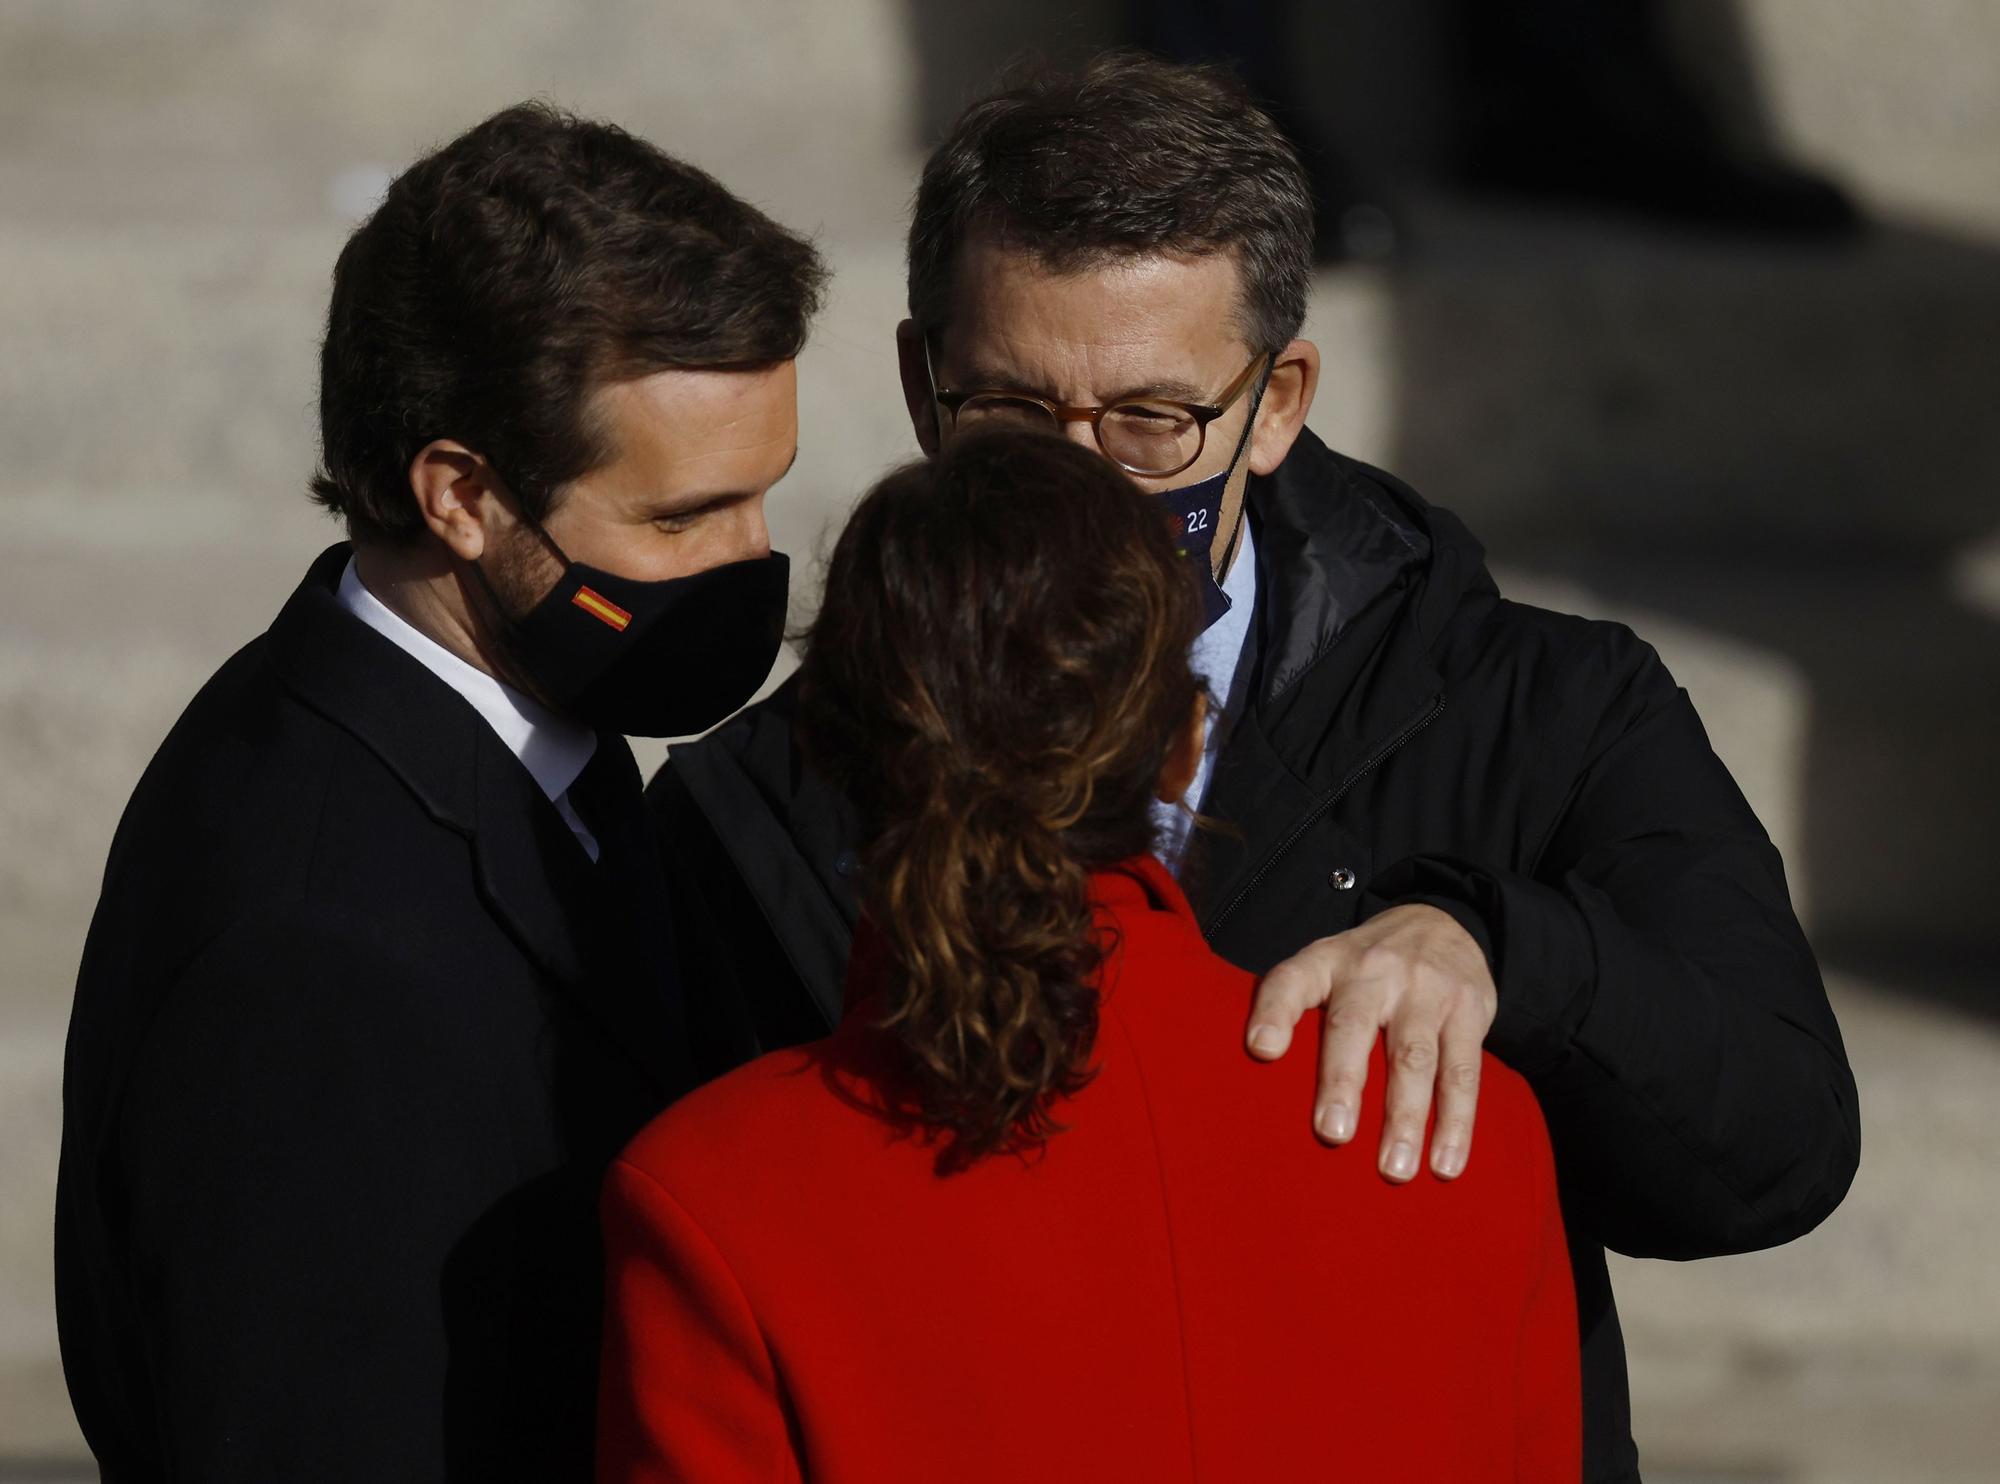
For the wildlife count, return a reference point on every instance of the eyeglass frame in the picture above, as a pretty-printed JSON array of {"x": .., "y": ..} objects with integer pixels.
[{"x": 1200, "y": 413}]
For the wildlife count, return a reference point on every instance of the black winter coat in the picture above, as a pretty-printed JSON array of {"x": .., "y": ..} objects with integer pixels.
[
  {"x": 358, "y": 1029},
  {"x": 1414, "y": 736}
]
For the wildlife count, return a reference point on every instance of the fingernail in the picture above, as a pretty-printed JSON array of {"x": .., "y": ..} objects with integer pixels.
[
  {"x": 1446, "y": 1163},
  {"x": 1402, "y": 1161},
  {"x": 1267, "y": 1039},
  {"x": 1336, "y": 1123}
]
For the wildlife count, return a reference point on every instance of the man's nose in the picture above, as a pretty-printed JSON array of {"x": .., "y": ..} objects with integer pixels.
[{"x": 754, "y": 533}]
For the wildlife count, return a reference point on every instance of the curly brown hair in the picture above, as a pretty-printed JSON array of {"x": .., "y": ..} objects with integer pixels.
[{"x": 996, "y": 678}]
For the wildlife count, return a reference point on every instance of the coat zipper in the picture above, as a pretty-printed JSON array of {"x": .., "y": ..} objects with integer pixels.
[{"x": 1373, "y": 761}]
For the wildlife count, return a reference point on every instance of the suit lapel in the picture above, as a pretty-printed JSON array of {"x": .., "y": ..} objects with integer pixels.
[
  {"x": 573, "y": 922},
  {"x": 419, "y": 727},
  {"x": 579, "y": 922}
]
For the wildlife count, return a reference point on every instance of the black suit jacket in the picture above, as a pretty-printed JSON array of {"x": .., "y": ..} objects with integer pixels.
[{"x": 358, "y": 1028}]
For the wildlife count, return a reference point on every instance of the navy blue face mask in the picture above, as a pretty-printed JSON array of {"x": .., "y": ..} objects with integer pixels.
[
  {"x": 651, "y": 659},
  {"x": 1198, "y": 509}
]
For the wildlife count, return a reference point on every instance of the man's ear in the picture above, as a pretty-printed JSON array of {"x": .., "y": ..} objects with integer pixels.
[
  {"x": 1288, "y": 397},
  {"x": 917, "y": 386},
  {"x": 458, "y": 496},
  {"x": 1184, "y": 757}
]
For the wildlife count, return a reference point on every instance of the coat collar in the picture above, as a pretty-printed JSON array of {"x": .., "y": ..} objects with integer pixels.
[
  {"x": 417, "y": 725},
  {"x": 527, "y": 865},
  {"x": 1142, "y": 884},
  {"x": 1357, "y": 577},
  {"x": 1332, "y": 539}
]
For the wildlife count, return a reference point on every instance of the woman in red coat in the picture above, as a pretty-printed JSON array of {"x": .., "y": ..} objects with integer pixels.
[{"x": 1032, "y": 1212}]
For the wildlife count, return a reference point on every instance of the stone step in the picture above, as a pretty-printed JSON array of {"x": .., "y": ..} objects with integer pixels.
[
  {"x": 1859, "y": 708},
  {"x": 1778, "y": 466},
  {"x": 1574, "y": 379},
  {"x": 35, "y": 1417}
]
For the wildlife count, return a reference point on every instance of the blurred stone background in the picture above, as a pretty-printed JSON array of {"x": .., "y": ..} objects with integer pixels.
[{"x": 1779, "y": 463}]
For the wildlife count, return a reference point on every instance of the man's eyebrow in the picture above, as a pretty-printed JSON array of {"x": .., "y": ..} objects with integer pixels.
[
  {"x": 1165, "y": 391},
  {"x": 981, "y": 378},
  {"x": 693, "y": 504},
  {"x": 987, "y": 379}
]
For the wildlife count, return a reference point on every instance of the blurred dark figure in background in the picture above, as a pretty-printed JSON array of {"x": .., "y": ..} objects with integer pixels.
[
  {"x": 1352, "y": 215},
  {"x": 1451, "y": 819},
  {"x": 1571, "y": 100}
]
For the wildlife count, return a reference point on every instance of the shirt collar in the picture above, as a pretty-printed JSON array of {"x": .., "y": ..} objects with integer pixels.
[
  {"x": 552, "y": 748},
  {"x": 1218, "y": 650}
]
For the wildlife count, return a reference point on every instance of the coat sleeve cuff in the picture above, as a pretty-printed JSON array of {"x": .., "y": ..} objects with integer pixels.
[{"x": 1467, "y": 916}]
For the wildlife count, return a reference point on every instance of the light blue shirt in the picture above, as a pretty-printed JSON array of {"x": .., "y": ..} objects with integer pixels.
[{"x": 1217, "y": 657}]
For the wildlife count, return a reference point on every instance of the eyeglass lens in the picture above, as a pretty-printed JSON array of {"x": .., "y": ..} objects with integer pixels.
[{"x": 1146, "y": 437}]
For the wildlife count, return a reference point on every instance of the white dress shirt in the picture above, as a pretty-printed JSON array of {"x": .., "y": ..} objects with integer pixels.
[
  {"x": 552, "y": 748},
  {"x": 1217, "y": 656}
]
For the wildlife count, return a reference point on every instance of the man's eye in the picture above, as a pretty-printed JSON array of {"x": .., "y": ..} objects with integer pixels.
[{"x": 1141, "y": 414}]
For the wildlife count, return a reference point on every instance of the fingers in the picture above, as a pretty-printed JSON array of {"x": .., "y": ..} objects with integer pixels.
[
  {"x": 1345, "y": 1043},
  {"x": 1435, "y": 1019},
  {"x": 1457, "y": 1095},
  {"x": 1413, "y": 1063},
  {"x": 1319, "y": 975},
  {"x": 1295, "y": 986}
]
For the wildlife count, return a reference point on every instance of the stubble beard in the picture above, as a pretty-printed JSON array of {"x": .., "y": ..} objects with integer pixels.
[{"x": 506, "y": 586}]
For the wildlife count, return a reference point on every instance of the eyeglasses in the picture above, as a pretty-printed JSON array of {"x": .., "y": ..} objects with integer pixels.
[{"x": 1148, "y": 436}]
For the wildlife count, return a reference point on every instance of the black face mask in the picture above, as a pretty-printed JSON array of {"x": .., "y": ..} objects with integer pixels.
[
  {"x": 1198, "y": 507},
  {"x": 652, "y": 659}
]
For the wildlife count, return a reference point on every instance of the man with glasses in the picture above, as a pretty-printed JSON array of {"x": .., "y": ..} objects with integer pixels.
[
  {"x": 1447, "y": 818},
  {"x": 1155, "y": 429}
]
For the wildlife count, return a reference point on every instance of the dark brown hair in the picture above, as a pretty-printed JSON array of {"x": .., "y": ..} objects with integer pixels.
[
  {"x": 1128, "y": 155},
  {"x": 996, "y": 677},
  {"x": 512, "y": 273}
]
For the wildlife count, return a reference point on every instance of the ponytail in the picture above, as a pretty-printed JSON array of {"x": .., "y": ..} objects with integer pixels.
[
  {"x": 996, "y": 676},
  {"x": 986, "y": 914}
]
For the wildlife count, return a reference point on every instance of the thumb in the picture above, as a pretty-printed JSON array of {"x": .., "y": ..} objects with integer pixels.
[{"x": 1302, "y": 982}]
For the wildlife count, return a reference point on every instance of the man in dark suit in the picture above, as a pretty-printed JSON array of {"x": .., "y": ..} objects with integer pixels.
[{"x": 376, "y": 986}]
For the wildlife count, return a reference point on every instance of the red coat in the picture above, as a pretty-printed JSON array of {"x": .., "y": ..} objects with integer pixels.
[{"x": 1184, "y": 1285}]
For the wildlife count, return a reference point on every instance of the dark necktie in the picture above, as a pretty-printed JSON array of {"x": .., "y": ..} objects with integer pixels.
[
  {"x": 628, "y": 883},
  {"x": 607, "y": 797}
]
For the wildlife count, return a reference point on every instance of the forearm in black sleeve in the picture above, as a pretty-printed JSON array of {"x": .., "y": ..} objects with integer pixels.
[
  {"x": 1657, "y": 991},
  {"x": 743, "y": 994}
]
